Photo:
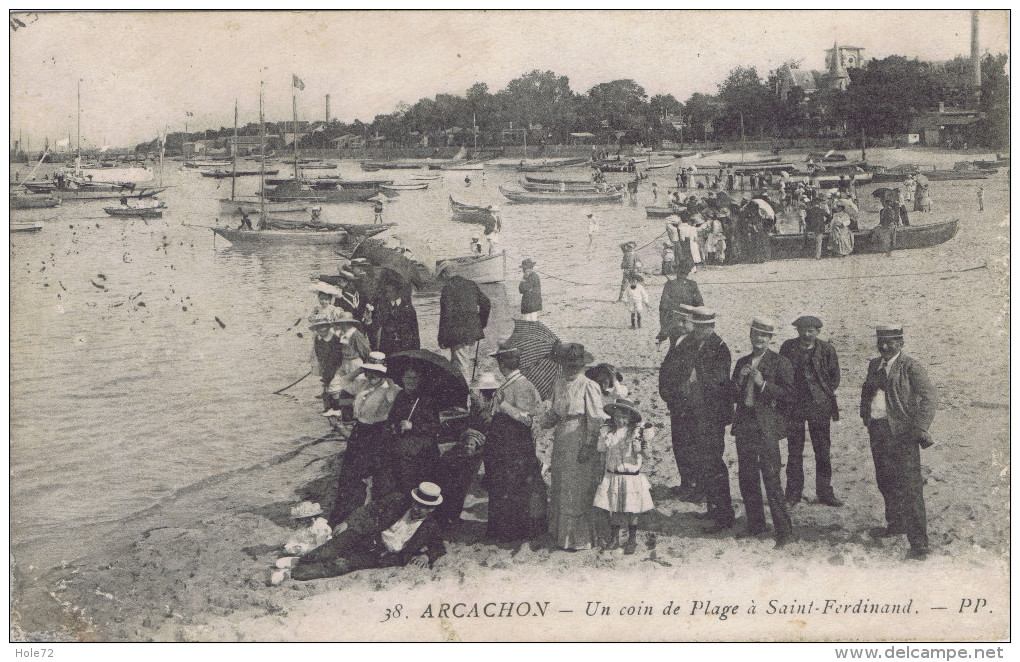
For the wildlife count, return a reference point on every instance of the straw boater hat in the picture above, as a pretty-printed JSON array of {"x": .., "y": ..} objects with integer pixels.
[
  {"x": 891, "y": 331},
  {"x": 347, "y": 317},
  {"x": 486, "y": 382},
  {"x": 504, "y": 348},
  {"x": 325, "y": 317},
  {"x": 702, "y": 315},
  {"x": 427, "y": 494},
  {"x": 763, "y": 326},
  {"x": 571, "y": 355},
  {"x": 528, "y": 264},
  {"x": 625, "y": 406},
  {"x": 376, "y": 363},
  {"x": 683, "y": 310},
  {"x": 809, "y": 321}
]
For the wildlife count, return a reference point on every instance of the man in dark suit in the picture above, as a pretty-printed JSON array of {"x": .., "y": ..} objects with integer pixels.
[
  {"x": 694, "y": 383},
  {"x": 815, "y": 379},
  {"x": 898, "y": 404},
  {"x": 463, "y": 314},
  {"x": 761, "y": 387},
  {"x": 677, "y": 291},
  {"x": 397, "y": 530}
]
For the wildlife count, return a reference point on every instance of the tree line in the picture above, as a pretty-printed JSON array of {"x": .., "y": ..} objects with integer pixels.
[{"x": 541, "y": 108}]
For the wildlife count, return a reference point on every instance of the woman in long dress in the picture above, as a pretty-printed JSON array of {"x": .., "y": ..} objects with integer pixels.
[
  {"x": 576, "y": 414},
  {"x": 841, "y": 239}
]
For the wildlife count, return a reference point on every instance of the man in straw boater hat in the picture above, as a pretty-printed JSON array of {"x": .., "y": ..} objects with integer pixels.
[
  {"x": 898, "y": 404},
  {"x": 397, "y": 530},
  {"x": 371, "y": 408},
  {"x": 576, "y": 413},
  {"x": 815, "y": 380},
  {"x": 694, "y": 381},
  {"x": 762, "y": 388}
]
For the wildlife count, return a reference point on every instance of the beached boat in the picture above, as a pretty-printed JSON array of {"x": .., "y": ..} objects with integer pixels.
[
  {"x": 789, "y": 246},
  {"x": 561, "y": 186},
  {"x": 479, "y": 268},
  {"x": 568, "y": 197},
  {"x": 656, "y": 211},
  {"x": 900, "y": 173},
  {"x": 831, "y": 181},
  {"x": 420, "y": 186},
  {"x": 536, "y": 168},
  {"x": 826, "y": 157},
  {"x": 428, "y": 178},
  {"x": 462, "y": 166},
  {"x": 658, "y": 166},
  {"x": 34, "y": 201},
  {"x": 372, "y": 166},
  {"x": 755, "y": 162},
  {"x": 276, "y": 237},
  {"x": 763, "y": 167},
  {"x": 556, "y": 180}
]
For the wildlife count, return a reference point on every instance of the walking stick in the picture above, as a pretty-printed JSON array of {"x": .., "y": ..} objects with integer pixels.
[
  {"x": 474, "y": 366},
  {"x": 293, "y": 384}
]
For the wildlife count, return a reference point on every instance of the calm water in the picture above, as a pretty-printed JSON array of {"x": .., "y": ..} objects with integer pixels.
[{"x": 124, "y": 387}]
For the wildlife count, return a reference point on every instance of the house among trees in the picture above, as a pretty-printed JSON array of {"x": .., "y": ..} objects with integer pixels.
[
  {"x": 953, "y": 127},
  {"x": 838, "y": 61}
]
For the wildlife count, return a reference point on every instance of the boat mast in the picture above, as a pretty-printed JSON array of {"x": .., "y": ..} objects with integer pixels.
[
  {"x": 297, "y": 175},
  {"x": 233, "y": 171},
  {"x": 262, "y": 162},
  {"x": 77, "y": 166}
]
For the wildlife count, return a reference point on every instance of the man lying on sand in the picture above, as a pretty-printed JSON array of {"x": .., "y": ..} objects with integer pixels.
[{"x": 396, "y": 530}]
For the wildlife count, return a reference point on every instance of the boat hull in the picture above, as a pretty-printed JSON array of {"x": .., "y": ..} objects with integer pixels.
[
  {"x": 479, "y": 268},
  {"x": 337, "y": 195},
  {"x": 237, "y": 207},
  {"x": 560, "y": 198},
  {"x": 34, "y": 201},
  {"x": 134, "y": 213},
  {"x": 791, "y": 246},
  {"x": 289, "y": 237}
]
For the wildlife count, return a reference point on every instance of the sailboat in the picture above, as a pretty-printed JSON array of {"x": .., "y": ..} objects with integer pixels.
[{"x": 276, "y": 231}]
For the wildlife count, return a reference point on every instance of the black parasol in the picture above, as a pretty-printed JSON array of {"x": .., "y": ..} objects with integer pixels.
[
  {"x": 439, "y": 378},
  {"x": 393, "y": 260},
  {"x": 535, "y": 341}
]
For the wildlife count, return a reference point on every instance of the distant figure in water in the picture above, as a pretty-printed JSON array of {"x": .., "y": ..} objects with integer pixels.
[
  {"x": 467, "y": 180},
  {"x": 378, "y": 211}
]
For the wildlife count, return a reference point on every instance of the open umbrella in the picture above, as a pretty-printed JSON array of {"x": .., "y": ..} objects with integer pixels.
[
  {"x": 391, "y": 260},
  {"x": 535, "y": 341},
  {"x": 439, "y": 378},
  {"x": 764, "y": 209},
  {"x": 880, "y": 193}
]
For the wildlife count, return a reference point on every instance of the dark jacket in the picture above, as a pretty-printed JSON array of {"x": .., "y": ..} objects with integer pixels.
[
  {"x": 394, "y": 327},
  {"x": 531, "y": 291},
  {"x": 826, "y": 365},
  {"x": 463, "y": 313},
  {"x": 365, "y": 524},
  {"x": 711, "y": 363},
  {"x": 910, "y": 399},
  {"x": 770, "y": 401},
  {"x": 330, "y": 354},
  {"x": 674, "y": 293}
]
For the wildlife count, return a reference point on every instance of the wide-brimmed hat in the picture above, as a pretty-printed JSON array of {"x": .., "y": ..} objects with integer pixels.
[
  {"x": 344, "y": 272},
  {"x": 503, "y": 349},
  {"x": 376, "y": 363},
  {"x": 763, "y": 326},
  {"x": 527, "y": 263},
  {"x": 626, "y": 406},
  {"x": 486, "y": 382},
  {"x": 702, "y": 315},
  {"x": 889, "y": 331},
  {"x": 346, "y": 317},
  {"x": 427, "y": 494},
  {"x": 683, "y": 310},
  {"x": 808, "y": 321},
  {"x": 571, "y": 355},
  {"x": 327, "y": 316}
]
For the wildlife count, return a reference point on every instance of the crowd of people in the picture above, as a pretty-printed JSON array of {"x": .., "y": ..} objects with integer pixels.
[{"x": 398, "y": 495}]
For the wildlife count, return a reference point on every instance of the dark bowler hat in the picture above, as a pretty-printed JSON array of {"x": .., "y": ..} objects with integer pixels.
[
  {"x": 889, "y": 331},
  {"x": 702, "y": 315},
  {"x": 528, "y": 263},
  {"x": 763, "y": 326},
  {"x": 809, "y": 321}
]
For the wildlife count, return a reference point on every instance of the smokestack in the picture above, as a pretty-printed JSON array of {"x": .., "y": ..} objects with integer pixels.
[
  {"x": 327, "y": 109},
  {"x": 975, "y": 53}
]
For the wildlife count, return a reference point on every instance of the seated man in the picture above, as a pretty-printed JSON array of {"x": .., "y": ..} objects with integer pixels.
[{"x": 396, "y": 530}]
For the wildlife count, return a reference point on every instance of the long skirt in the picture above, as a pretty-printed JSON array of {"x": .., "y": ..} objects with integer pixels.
[
  {"x": 573, "y": 488},
  {"x": 841, "y": 240},
  {"x": 513, "y": 479}
]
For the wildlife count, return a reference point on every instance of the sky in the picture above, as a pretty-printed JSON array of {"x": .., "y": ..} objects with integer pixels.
[{"x": 142, "y": 72}]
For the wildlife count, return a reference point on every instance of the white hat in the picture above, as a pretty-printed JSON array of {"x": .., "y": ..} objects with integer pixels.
[
  {"x": 325, "y": 288},
  {"x": 486, "y": 382},
  {"x": 376, "y": 362},
  {"x": 427, "y": 494}
]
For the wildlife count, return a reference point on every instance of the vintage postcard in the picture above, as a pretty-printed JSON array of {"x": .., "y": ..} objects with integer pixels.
[{"x": 510, "y": 326}]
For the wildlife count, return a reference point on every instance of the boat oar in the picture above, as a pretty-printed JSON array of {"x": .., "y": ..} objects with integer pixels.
[{"x": 292, "y": 384}]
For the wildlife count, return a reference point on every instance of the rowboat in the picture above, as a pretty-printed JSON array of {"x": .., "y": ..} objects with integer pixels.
[
  {"x": 654, "y": 211},
  {"x": 826, "y": 158},
  {"x": 463, "y": 166},
  {"x": 363, "y": 230},
  {"x": 426, "y": 177},
  {"x": 479, "y": 268},
  {"x": 790, "y": 246},
  {"x": 85, "y": 194},
  {"x": 764, "y": 167},
  {"x": 562, "y": 186},
  {"x": 657, "y": 166},
  {"x": 536, "y": 168},
  {"x": 568, "y": 197},
  {"x": 26, "y": 227},
  {"x": 900, "y": 173},
  {"x": 405, "y": 187},
  {"x": 756, "y": 162},
  {"x": 393, "y": 165},
  {"x": 293, "y": 191},
  {"x": 274, "y": 237},
  {"x": 239, "y": 206},
  {"x": 33, "y": 201},
  {"x": 226, "y": 174},
  {"x": 556, "y": 180},
  {"x": 832, "y": 181},
  {"x": 136, "y": 212}
]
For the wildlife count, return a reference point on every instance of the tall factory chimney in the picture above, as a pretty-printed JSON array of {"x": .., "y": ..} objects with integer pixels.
[
  {"x": 975, "y": 55},
  {"x": 327, "y": 109}
]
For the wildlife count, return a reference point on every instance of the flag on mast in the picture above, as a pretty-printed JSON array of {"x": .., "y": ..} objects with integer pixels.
[{"x": 298, "y": 83}]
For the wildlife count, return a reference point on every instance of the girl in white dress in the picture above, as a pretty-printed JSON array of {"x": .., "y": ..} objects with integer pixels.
[{"x": 624, "y": 492}]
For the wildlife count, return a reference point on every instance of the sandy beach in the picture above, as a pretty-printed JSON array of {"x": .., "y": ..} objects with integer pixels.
[{"x": 194, "y": 567}]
